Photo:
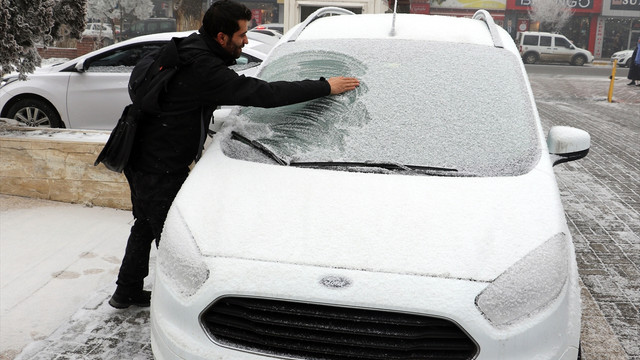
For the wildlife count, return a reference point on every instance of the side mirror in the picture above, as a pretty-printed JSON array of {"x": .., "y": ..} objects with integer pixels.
[
  {"x": 80, "y": 66},
  {"x": 567, "y": 144}
]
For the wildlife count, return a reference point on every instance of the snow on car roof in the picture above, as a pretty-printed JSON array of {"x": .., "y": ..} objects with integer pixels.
[{"x": 407, "y": 26}]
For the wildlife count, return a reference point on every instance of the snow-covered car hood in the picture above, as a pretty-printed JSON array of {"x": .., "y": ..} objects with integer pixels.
[{"x": 453, "y": 227}]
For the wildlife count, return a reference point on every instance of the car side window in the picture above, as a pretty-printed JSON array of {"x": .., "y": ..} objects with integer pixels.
[
  {"x": 120, "y": 60},
  {"x": 545, "y": 40},
  {"x": 562, "y": 42},
  {"x": 530, "y": 40},
  {"x": 247, "y": 59}
]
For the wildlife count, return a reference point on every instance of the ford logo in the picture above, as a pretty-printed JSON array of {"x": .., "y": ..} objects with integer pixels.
[{"x": 335, "y": 282}]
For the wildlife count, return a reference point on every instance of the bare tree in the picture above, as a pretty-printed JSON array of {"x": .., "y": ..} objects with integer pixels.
[
  {"x": 552, "y": 14},
  {"x": 188, "y": 14},
  {"x": 110, "y": 10},
  {"x": 25, "y": 23}
]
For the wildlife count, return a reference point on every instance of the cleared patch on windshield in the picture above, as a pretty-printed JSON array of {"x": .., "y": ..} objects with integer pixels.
[{"x": 313, "y": 126}]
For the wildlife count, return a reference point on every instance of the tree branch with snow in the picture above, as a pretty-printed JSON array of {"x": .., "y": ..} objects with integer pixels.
[
  {"x": 27, "y": 23},
  {"x": 552, "y": 13}
]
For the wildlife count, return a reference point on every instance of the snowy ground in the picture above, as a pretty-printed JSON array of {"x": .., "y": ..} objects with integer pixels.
[{"x": 53, "y": 258}]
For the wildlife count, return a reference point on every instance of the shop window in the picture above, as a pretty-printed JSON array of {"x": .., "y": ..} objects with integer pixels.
[{"x": 616, "y": 36}]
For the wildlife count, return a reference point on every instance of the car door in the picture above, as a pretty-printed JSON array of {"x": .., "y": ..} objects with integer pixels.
[
  {"x": 96, "y": 96},
  {"x": 563, "y": 50},
  {"x": 546, "y": 50}
]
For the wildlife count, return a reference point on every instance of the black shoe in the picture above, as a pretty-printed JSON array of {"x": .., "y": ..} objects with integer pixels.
[
  {"x": 142, "y": 299},
  {"x": 632, "y": 83}
]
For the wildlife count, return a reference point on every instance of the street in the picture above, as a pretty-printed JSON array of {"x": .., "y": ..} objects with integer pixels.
[
  {"x": 569, "y": 70},
  {"x": 600, "y": 193}
]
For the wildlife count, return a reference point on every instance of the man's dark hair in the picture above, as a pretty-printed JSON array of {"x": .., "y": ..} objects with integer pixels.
[{"x": 223, "y": 16}]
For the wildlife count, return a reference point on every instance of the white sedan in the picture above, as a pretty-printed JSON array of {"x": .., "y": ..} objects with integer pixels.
[
  {"x": 89, "y": 92},
  {"x": 622, "y": 57},
  {"x": 416, "y": 217}
]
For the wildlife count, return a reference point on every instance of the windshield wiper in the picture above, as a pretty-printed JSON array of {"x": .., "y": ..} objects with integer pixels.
[
  {"x": 257, "y": 145},
  {"x": 374, "y": 164},
  {"x": 324, "y": 164}
]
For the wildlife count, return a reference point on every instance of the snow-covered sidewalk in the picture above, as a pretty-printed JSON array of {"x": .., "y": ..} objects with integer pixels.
[{"x": 54, "y": 257}]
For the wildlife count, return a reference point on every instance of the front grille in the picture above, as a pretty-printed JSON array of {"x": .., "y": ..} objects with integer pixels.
[{"x": 311, "y": 331}]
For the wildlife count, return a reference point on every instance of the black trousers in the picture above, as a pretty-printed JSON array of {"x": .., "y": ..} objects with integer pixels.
[{"x": 151, "y": 198}]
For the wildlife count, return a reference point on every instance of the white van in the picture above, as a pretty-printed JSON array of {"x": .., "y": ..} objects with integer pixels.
[{"x": 543, "y": 46}]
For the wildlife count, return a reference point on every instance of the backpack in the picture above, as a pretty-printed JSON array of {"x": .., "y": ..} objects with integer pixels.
[{"x": 148, "y": 81}]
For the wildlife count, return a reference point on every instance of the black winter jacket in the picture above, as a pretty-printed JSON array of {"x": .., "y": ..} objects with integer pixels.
[{"x": 168, "y": 143}]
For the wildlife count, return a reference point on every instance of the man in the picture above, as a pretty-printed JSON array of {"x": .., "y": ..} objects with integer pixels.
[{"x": 168, "y": 142}]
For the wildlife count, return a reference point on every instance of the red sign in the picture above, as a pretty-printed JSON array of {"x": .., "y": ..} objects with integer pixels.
[
  {"x": 419, "y": 8},
  {"x": 523, "y": 25},
  {"x": 256, "y": 14}
]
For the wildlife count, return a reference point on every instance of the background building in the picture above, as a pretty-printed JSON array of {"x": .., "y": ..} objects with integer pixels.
[
  {"x": 601, "y": 26},
  {"x": 618, "y": 27}
]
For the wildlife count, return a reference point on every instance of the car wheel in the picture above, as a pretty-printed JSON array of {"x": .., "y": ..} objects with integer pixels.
[
  {"x": 530, "y": 58},
  {"x": 579, "y": 60},
  {"x": 35, "y": 113}
]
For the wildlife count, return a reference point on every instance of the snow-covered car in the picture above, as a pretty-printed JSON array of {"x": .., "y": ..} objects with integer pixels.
[
  {"x": 100, "y": 31},
  {"x": 416, "y": 217},
  {"x": 622, "y": 57},
  {"x": 89, "y": 92}
]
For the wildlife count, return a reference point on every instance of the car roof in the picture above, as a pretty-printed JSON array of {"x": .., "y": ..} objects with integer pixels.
[
  {"x": 540, "y": 33},
  {"x": 407, "y": 26}
]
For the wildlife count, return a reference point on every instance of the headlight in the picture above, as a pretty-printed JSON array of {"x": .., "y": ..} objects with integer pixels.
[
  {"x": 179, "y": 258},
  {"x": 529, "y": 285}
]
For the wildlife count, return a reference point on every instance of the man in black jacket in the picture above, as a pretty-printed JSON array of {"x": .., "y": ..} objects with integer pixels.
[{"x": 168, "y": 142}]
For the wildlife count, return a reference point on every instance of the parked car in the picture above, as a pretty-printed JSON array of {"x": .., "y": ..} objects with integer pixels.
[
  {"x": 89, "y": 92},
  {"x": 99, "y": 30},
  {"x": 277, "y": 27},
  {"x": 622, "y": 57},
  {"x": 272, "y": 33},
  {"x": 416, "y": 217},
  {"x": 149, "y": 26},
  {"x": 547, "y": 47}
]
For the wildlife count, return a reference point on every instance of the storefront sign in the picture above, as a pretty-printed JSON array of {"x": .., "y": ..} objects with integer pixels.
[
  {"x": 574, "y": 4},
  {"x": 419, "y": 8},
  {"x": 599, "y": 38},
  {"x": 625, "y": 5},
  {"x": 470, "y": 4}
]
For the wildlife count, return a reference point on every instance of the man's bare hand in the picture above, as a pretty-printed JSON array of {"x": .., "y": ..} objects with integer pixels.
[{"x": 341, "y": 84}]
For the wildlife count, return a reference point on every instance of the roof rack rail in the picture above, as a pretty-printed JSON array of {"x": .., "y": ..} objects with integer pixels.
[
  {"x": 330, "y": 10},
  {"x": 493, "y": 29}
]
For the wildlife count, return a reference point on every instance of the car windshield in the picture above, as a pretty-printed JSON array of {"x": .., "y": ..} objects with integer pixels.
[{"x": 414, "y": 108}]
